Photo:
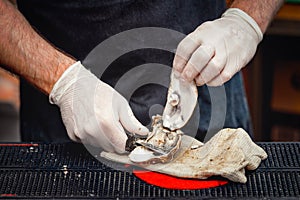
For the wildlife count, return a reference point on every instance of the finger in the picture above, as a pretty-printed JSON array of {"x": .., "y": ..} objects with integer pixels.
[
  {"x": 254, "y": 162},
  {"x": 184, "y": 51},
  {"x": 227, "y": 73},
  {"x": 72, "y": 129},
  {"x": 197, "y": 62},
  {"x": 220, "y": 80},
  {"x": 94, "y": 135},
  {"x": 130, "y": 123},
  {"x": 239, "y": 176},
  {"x": 211, "y": 70},
  {"x": 110, "y": 136},
  {"x": 115, "y": 136},
  {"x": 236, "y": 176},
  {"x": 261, "y": 153},
  {"x": 119, "y": 142}
]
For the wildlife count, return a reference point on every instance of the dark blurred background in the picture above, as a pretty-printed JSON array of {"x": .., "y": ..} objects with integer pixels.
[{"x": 273, "y": 79}]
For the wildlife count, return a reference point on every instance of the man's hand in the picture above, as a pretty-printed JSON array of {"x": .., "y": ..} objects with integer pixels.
[
  {"x": 218, "y": 49},
  {"x": 92, "y": 111}
]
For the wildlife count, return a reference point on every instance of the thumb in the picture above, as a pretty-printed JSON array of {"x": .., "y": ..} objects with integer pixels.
[
  {"x": 236, "y": 176},
  {"x": 130, "y": 123}
]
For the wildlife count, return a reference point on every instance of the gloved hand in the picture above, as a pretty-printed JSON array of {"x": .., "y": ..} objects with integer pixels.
[
  {"x": 218, "y": 49},
  {"x": 92, "y": 111},
  {"x": 227, "y": 154}
]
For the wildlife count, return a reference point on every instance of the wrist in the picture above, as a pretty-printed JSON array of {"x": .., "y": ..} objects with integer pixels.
[
  {"x": 261, "y": 11},
  {"x": 44, "y": 74},
  {"x": 62, "y": 65},
  {"x": 243, "y": 16},
  {"x": 64, "y": 82}
]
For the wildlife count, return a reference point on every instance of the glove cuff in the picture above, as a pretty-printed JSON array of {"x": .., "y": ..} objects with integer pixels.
[
  {"x": 236, "y": 12},
  {"x": 67, "y": 79}
]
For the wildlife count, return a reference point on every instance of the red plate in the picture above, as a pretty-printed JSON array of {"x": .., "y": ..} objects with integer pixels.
[{"x": 171, "y": 182}]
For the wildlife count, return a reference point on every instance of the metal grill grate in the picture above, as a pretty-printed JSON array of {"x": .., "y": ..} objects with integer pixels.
[{"x": 69, "y": 171}]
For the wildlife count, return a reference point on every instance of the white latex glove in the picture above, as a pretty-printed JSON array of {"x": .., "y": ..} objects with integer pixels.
[
  {"x": 92, "y": 111},
  {"x": 218, "y": 49}
]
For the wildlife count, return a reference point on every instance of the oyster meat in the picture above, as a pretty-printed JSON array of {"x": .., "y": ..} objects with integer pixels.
[{"x": 159, "y": 147}]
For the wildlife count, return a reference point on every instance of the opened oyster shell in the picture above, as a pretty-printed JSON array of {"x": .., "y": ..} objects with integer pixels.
[
  {"x": 181, "y": 102},
  {"x": 159, "y": 147}
]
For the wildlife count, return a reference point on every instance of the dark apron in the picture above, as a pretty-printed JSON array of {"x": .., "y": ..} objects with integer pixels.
[{"x": 77, "y": 26}]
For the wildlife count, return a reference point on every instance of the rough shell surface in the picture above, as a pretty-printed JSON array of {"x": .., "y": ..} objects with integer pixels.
[{"x": 165, "y": 140}]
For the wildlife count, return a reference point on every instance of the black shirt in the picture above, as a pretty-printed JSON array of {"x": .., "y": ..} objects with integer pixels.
[{"x": 77, "y": 26}]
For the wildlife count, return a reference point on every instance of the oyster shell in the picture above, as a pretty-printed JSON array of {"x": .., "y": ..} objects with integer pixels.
[
  {"x": 159, "y": 147},
  {"x": 181, "y": 102}
]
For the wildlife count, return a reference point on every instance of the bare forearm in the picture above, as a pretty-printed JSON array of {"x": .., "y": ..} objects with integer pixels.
[
  {"x": 27, "y": 54},
  {"x": 262, "y": 11}
]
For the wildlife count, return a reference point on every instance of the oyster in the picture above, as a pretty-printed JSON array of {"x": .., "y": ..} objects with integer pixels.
[
  {"x": 228, "y": 153},
  {"x": 181, "y": 102},
  {"x": 159, "y": 147}
]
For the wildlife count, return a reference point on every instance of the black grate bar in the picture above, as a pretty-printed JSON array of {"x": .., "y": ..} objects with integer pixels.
[
  {"x": 280, "y": 155},
  {"x": 116, "y": 184},
  {"x": 69, "y": 171}
]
